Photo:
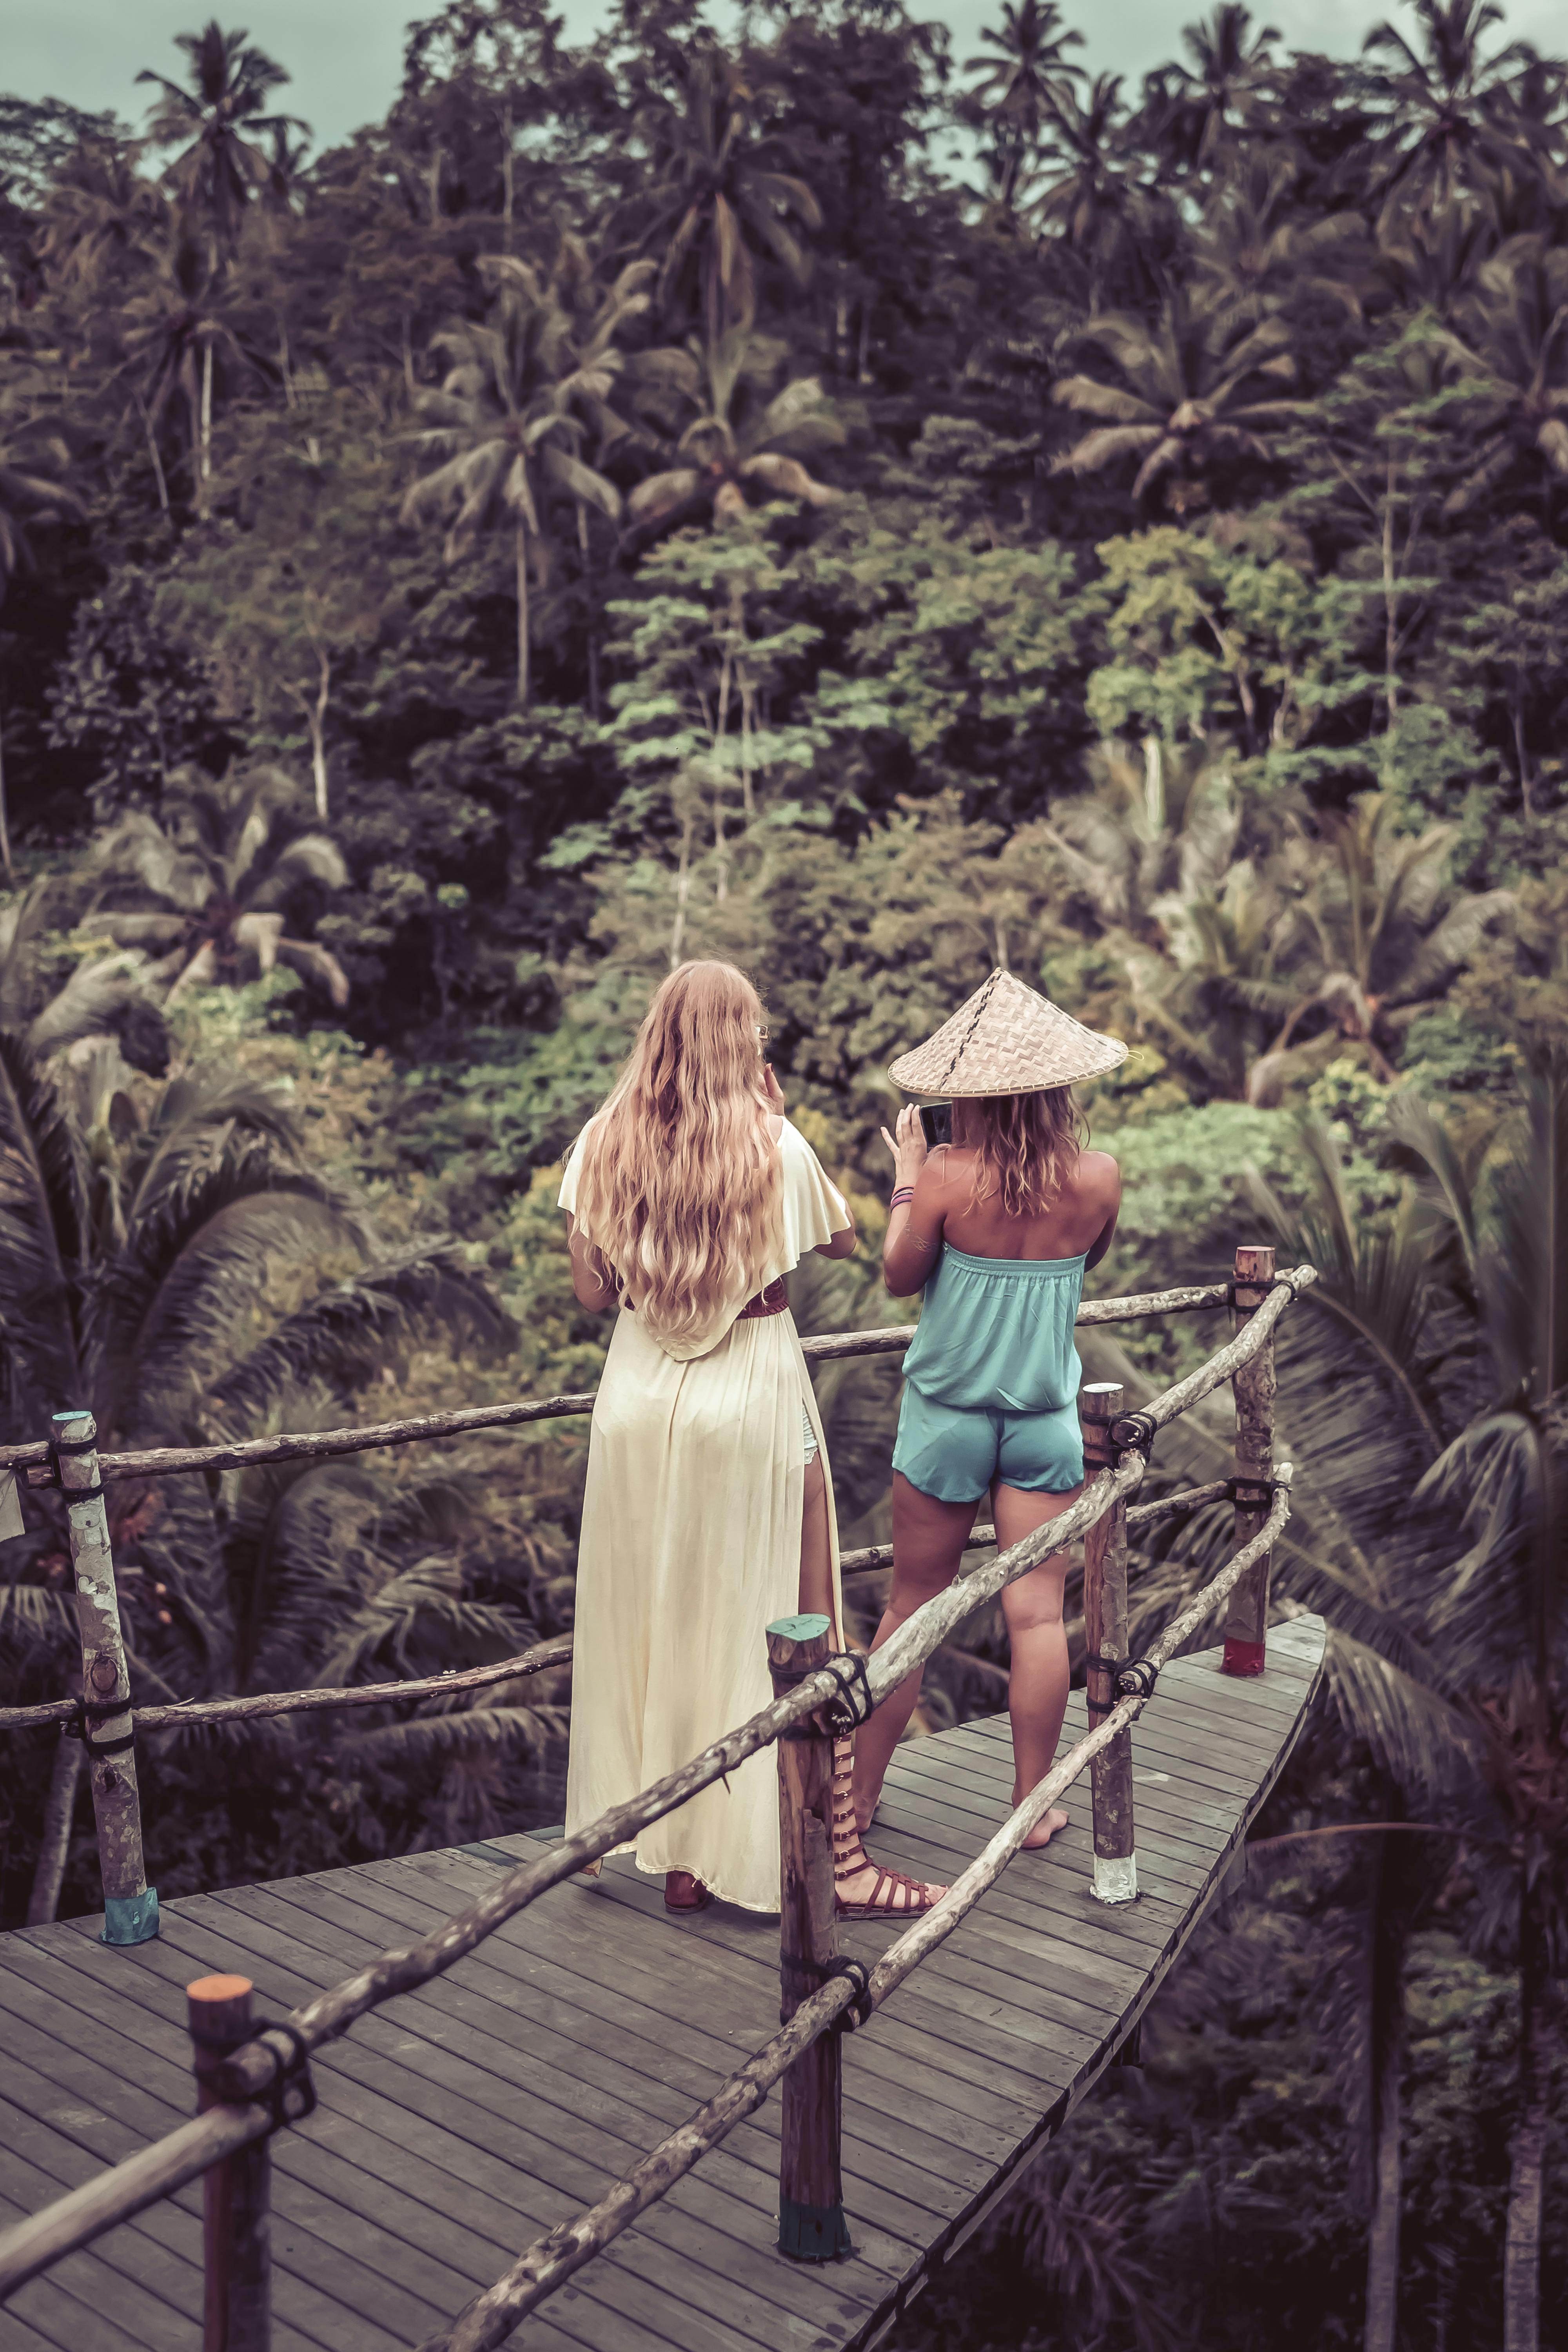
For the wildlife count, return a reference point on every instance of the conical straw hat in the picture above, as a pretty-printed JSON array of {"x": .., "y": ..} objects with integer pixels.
[{"x": 1007, "y": 1040}]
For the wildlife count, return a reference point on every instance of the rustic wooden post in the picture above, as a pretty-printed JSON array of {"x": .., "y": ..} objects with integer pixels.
[
  {"x": 812, "y": 2227},
  {"x": 1105, "y": 1640},
  {"x": 129, "y": 1905},
  {"x": 1246, "y": 1622},
  {"x": 237, "y": 2195}
]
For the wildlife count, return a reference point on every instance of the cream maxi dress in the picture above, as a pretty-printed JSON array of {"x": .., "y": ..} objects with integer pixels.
[{"x": 690, "y": 1547}]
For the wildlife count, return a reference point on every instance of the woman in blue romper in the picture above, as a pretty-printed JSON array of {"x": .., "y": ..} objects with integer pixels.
[{"x": 997, "y": 1230}]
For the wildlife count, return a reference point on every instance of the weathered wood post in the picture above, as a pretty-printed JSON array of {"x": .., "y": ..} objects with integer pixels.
[
  {"x": 812, "y": 2227},
  {"x": 1247, "y": 1621},
  {"x": 1106, "y": 1640},
  {"x": 129, "y": 1905},
  {"x": 237, "y": 2195}
]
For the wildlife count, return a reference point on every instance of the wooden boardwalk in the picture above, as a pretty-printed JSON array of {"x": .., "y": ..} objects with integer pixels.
[{"x": 462, "y": 2121}]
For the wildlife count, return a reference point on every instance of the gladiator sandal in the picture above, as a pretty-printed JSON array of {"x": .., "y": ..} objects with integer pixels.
[{"x": 893, "y": 1896}]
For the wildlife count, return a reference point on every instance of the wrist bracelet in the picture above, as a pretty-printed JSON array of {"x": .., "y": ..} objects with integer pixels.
[{"x": 904, "y": 1192}]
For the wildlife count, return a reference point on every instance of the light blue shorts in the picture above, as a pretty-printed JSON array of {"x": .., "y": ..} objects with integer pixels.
[{"x": 954, "y": 1452}]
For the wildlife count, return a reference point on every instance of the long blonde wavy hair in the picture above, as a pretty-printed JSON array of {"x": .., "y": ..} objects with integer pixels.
[
  {"x": 678, "y": 1188},
  {"x": 1025, "y": 1146}
]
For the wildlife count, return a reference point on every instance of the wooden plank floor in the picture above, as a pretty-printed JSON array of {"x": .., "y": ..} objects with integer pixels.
[{"x": 461, "y": 2122}]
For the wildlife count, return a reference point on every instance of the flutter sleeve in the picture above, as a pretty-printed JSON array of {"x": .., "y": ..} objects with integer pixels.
[
  {"x": 813, "y": 1207},
  {"x": 570, "y": 1175}
]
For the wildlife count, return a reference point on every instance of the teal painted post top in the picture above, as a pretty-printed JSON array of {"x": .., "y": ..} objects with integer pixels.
[
  {"x": 998, "y": 1331},
  {"x": 801, "y": 1629}
]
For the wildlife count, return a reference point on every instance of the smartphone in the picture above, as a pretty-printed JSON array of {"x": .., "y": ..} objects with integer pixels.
[{"x": 936, "y": 1119}]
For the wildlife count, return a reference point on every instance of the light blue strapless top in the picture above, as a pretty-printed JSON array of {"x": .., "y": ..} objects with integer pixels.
[{"x": 998, "y": 1331}]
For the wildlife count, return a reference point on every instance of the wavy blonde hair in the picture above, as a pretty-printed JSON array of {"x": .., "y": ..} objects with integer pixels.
[
  {"x": 1025, "y": 1146},
  {"x": 679, "y": 1189}
]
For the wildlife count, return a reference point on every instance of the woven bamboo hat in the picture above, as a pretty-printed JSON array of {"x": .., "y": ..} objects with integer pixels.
[{"x": 1007, "y": 1040}]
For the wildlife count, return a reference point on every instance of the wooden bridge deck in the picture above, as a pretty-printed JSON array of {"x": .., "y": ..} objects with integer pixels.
[{"x": 461, "y": 2121}]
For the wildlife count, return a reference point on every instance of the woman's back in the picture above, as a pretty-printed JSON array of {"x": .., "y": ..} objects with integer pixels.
[{"x": 1068, "y": 1226}]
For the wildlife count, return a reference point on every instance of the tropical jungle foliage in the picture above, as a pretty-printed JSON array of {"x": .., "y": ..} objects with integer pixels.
[{"x": 874, "y": 513}]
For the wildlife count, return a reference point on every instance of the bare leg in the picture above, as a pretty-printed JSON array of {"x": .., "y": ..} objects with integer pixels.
[
  {"x": 928, "y": 1537},
  {"x": 1037, "y": 1689},
  {"x": 816, "y": 1553}
]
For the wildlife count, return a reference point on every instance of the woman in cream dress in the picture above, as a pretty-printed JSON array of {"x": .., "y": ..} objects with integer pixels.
[{"x": 708, "y": 1511}]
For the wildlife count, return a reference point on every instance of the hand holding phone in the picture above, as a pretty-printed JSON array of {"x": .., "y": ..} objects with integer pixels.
[{"x": 936, "y": 1122}]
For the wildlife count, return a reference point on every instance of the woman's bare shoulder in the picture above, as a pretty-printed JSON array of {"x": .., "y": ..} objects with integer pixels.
[{"x": 1098, "y": 1172}]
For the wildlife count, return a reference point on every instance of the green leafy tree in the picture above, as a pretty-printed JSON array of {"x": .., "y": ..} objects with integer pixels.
[{"x": 1198, "y": 108}]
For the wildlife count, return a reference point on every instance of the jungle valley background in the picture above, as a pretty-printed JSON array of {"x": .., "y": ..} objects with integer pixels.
[{"x": 805, "y": 495}]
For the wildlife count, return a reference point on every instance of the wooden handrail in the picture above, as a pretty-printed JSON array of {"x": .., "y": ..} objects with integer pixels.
[
  {"x": 304, "y": 1445},
  {"x": 77, "y": 2220}
]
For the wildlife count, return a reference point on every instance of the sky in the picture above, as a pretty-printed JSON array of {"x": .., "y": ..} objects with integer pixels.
[{"x": 345, "y": 56}]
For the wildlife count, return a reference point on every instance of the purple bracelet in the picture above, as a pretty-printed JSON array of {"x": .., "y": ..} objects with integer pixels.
[{"x": 904, "y": 1192}]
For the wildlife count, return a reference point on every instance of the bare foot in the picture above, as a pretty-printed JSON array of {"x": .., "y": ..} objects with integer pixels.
[{"x": 1045, "y": 1829}]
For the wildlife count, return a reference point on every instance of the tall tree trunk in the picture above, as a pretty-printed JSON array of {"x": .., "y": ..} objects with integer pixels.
[
  {"x": 508, "y": 179},
  {"x": 520, "y": 554},
  {"x": 153, "y": 453},
  {"x": 1526, "y": 2168},
  {"x": 205, "y": 448},
  {"x": 591, "y": 600},
  {"x": 316, "y": 713},
  {"x": 682, "y": 890},
  {"x": 1390, "y": 1931},
  {"x": 4, "y": 821},
  {"x": 1390, "y": 607},
  {"x": 54, "y": 1845}
]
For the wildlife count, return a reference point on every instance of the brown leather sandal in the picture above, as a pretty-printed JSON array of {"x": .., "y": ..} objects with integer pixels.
[
  {"x": 894, "y": 1895},
  {"x": 683, "y": 1891}
]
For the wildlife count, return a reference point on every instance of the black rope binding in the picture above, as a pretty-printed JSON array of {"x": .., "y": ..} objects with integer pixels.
[
  {"x": 858, "y": 2011},
  {"x": 1136, "y": 1678},
  {"x": 1275, "y": 1282},
  {"x": 1253, "y": 1493},
  {"x": 1097, "y": 1709},
  {"x": 290, "y": 2074},
  {"x": 1130, "y": 1432},
  {"x": 855, "y": 1705},
  {"x": 89, "y": 1711}
]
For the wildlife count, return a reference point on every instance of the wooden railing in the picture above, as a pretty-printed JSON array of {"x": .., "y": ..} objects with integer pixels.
[{"x": 247, "y": 2080}]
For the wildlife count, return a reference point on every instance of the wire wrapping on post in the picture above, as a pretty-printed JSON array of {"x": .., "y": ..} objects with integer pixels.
[{"x": 291, "y": 2072}]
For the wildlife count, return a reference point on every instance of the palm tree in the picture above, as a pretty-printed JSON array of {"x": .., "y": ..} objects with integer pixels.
[
  {"x": 1197, "y": 107},
  {"x": 222, "y": 115},
  {"x": 527, "y": 388},
  {"x": 1383, "y": 932},
  {"x": 208, "y": 895},
  {"x": 740, "y": 443},
  {"x": 1017, "y": 89},
  {"x": 101, "y": 214},
  {"x": 716, "y": 195},
  {"x": 1448, "y": 110},
  {"x": 1474, "y": 1641},
  {"x": 1256, "y": 252},
  {"x": 34, "y": 459},
  {"x": 1194, "y": 396},
  {"x": 1512, "y": 344},
  {"x": 135, "y": 1254},
  {"x": 175, "y": 330},
  {"x": 1085, "y": 191}
]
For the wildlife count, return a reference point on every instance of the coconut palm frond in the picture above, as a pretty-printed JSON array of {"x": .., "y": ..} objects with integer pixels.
[
  {"x": 522, "y": 1731},
  {"x": 349, "y": 1331}
]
